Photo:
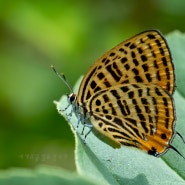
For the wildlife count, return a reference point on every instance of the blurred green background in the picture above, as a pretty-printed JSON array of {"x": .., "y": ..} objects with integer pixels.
[{"x": 71, "y": 35}]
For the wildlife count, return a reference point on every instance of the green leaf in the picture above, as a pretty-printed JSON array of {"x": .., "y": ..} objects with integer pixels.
[
  {"x": 42, "y": 175},
  {"x": 128, "y": 165}
]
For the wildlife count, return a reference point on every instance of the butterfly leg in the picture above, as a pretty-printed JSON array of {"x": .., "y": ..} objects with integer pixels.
[
  {"x": 85, "y": 124},
  {"x": 78, "y": 122},
  {"x": 82, "y": 133},
  {"x": 65, "y": 107},
  {"x": 90, "y": 129},
  {"x": 69, "y": 115}
]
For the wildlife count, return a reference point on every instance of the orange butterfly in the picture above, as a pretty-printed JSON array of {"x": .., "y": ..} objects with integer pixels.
[{"x": 126, "y": 96}]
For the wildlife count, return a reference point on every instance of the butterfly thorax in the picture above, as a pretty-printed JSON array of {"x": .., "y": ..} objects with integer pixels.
[{"x": 79, "y": 109}]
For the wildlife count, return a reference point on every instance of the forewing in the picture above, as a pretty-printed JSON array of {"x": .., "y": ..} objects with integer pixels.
[
  {"x": 144, "y": 58},
  {"x": 134, "y": 115}
]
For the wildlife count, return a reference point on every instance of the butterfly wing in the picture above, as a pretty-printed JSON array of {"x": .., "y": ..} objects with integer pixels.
[
  {"x": 134, "y": 115},
  {"x": 144, "y": 58}
]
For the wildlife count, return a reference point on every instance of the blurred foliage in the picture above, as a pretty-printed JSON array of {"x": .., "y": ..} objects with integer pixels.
[{"x": 70, "y": 35}]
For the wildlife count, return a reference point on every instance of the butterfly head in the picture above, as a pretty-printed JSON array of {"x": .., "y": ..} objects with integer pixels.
[{"x": 71, "y": 98}]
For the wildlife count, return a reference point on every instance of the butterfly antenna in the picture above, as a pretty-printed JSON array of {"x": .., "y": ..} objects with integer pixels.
[{"x": 62, "y": 76}]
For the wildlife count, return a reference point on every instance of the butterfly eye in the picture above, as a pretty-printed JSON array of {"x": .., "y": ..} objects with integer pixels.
[{"x": 72, "y": 98}]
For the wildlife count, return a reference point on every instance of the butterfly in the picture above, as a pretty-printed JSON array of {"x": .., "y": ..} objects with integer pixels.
[{"x": 126, "y": 97}]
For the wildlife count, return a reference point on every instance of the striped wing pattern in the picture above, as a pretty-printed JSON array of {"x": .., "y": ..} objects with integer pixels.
[
  {"x": 134, "y": 115},
  {"x": 145, "y": 58},
  {"x": 127, "y": 94}
]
